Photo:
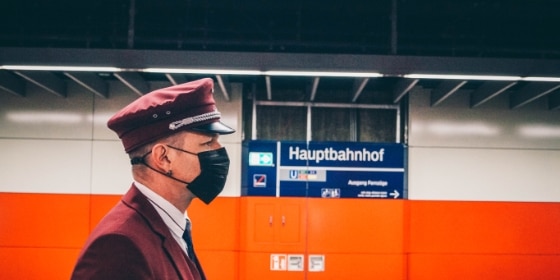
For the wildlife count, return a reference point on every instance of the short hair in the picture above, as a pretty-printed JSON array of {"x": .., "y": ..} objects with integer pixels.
[{"x": 173, "y": 140}]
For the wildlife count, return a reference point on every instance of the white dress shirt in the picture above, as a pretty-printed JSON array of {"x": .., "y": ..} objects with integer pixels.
[{"x": 171, "y": 216}]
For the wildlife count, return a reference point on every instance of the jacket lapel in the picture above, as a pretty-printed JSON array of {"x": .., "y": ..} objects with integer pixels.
[{"x": 136, "y": 200}]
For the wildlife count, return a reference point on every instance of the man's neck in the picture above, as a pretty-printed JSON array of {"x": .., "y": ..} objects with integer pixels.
[{"x": 178, "y": 195}]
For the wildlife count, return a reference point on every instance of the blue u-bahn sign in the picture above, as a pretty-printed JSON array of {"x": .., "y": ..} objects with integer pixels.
[{"x": 324, "y": 169}]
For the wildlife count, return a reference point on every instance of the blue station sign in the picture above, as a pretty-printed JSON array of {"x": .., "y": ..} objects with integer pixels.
[{"x": 324, "y": 169}]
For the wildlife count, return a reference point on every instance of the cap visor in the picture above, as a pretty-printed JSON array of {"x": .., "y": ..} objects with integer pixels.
[{"x": 215, "y": 127}]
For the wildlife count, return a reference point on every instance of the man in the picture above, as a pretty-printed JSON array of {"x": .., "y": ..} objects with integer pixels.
[{"x": 171, "y": 136}]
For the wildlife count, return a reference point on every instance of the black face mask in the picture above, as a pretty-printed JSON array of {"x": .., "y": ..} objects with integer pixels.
[{"x": 214, "y": 166}]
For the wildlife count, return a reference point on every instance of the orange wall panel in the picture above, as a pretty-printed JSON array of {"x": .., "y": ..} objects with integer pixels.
[
  {"x": 216, "y": 226},
  {"x": 483, "y": 266},
  {"x": 361, "y": 239},
  {"x": 355, "y": 225},
  {"x": 37, "y": 263},
  {"x": 219, "y": 264},
  {"x": 270, "y": 224},
  {"x": 362, "y": 266},
  {"x": 100, "y": 205},
  {"x": 43, "y": 220},
  {"x": 484, "y": 227}
]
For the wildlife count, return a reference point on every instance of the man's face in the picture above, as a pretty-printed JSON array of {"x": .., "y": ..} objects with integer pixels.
[{"x": 187, "y": 166}]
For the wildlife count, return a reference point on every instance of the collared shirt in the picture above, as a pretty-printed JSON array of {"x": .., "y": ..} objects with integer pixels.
[{"x": 171, "y": 216}]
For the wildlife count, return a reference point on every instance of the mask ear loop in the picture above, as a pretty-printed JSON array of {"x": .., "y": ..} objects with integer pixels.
[
  {"x": 184, "y": 151},
  {"x": 142, "y": 160}
]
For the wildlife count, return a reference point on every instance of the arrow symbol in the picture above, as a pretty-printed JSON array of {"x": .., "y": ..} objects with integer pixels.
[{"x": 395, "y": 194}]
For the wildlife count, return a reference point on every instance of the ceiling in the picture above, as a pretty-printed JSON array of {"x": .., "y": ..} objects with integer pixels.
[{"x": 391, "y": 37}]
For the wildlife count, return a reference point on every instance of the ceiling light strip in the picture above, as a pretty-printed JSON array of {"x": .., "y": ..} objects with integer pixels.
[
  {"x": 273, "y": 73},
  {"x": 463, "y": 77},
  {"x": 324, "y": 74},
  {"x": 201, "y": 71},
  {"x": 60, "y": 68}
]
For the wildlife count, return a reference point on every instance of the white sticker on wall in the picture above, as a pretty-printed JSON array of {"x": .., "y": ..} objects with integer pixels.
[
  {"x": 316, "y": 263},
  {"x": 295, "y": 262},
  {"x": 278, "y": 262}
]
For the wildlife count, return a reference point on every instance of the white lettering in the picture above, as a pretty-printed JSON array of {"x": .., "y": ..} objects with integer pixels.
[
  {"x": 357, "y": 183},
  {"x": 294, "y": 153},
  {"x": 377, "y": 183},
  {"x": 330, "y": 154}
]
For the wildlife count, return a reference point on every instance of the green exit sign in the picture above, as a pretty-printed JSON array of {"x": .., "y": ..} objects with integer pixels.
[{"x": 261, "y": 159}]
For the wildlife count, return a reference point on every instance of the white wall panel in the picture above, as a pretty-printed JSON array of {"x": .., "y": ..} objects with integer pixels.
[
  {"x": 455, "y": 124},
  {"x": 45, "y": 166},
  {"x": 491, "y": 153},
  {"x": 233, "y": 183},
  {"x": 50, "y": 144},
  {"x": 43, "y": 115},
  {"x": 231, "y": 111},
  {"x": 111, "y": 169},
  {"x": 483, "y": 174},
  {"x": 119, "y": 97}
]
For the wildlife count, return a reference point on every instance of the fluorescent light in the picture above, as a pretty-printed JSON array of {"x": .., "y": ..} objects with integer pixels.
[
  {"x": 541, "y": 79},
  {"x": 463, "y": 129},
  {"x": 202, "y": 71},
  {"x": 60, "y": 68},
  {"x": 38, "y": 117},
  {"x": 323, "y": 74},
  {"x": 540, "y": 131},
  {"x": 462, "y": 77},
  {"x": 274, "y": 73}
]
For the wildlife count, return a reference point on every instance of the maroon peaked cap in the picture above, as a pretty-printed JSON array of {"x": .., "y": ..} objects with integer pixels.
[{"x": 163, "y": 112}]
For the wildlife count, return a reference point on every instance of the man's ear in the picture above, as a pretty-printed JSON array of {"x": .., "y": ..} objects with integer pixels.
[{"x": 160, "y": 157}]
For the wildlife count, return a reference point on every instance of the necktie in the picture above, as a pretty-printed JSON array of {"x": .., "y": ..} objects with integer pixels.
[{"x": 190, "y": 248}]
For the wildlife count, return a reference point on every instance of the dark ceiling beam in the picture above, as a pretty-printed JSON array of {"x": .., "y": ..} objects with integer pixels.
[
  {"x": 402, "y": 87},
  {"x": 223, "y": 83},
  {"x": 531, "y": 92},
  {"x": 133, "y": 81},
  {"x": 489, "y": 90},
  {"x": 45, "y": 80},
  {"x": 11, "y": 83},
  {"x": 554, "y": 101},
  {"x": 359, "y": 85},
  {"x": 314, "y": 87},
  {"x": 91, "y": 82},
  {"x": 389, "y": 65},
  {"x": 445, "y": 89}
]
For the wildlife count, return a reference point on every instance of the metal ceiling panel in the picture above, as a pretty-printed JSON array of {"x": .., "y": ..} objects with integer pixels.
[
  {"x": 489, "y": 90},
  {"x": 11, "y": 84},
  {"x": 445, "y": 90},
  {"x": 91, "y": 82},
  {"x": 46, "y": 80},
  {"x": 134, "y": 81},
  {"x": 531, "y": 92}
]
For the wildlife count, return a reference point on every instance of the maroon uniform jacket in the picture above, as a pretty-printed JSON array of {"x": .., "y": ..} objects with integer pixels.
[{"x": 133, "y": 242}]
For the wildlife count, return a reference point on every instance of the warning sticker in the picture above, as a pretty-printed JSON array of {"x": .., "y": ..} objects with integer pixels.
[
  {"x": 295, "y": 262},
  {"x": 259, "y": 180},
  {"x": 316, "y": 263},
  {"x": 278, "y": 262}
]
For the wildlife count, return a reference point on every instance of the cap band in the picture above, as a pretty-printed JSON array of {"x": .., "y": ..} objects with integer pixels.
[{"x": 200, "y": 118}]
